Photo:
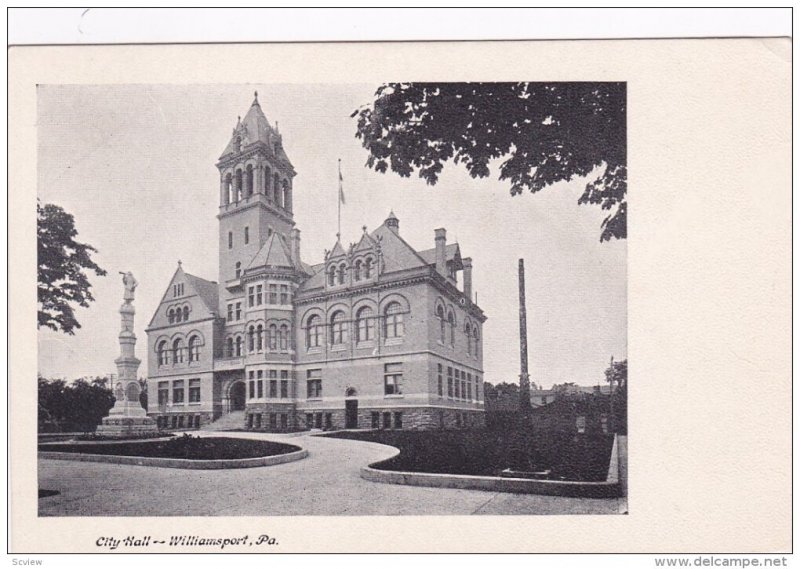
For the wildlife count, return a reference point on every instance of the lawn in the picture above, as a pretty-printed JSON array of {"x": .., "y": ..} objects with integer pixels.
[
  {"x": 187, "y": 446},
  {"x": 487, "y": 452}
]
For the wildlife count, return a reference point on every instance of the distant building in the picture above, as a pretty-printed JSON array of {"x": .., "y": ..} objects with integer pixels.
[
  {"x": 541, "y": 397},
  {"x": 376, "y": 335}
]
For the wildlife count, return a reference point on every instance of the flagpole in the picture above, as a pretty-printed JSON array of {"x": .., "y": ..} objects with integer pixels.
[{"x": 339, "y": 204}]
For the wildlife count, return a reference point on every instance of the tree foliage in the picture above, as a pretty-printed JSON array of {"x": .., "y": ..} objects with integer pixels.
[
  {"x": 77, "y": 406},
  {"x": 546, "y": 133},
  {"x": 62, "y": 262}
]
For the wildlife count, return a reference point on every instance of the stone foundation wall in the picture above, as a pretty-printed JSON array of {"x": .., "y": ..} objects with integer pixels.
[
  {"x": 271, "y": 417},
  {"x": 410, "y": 418},
  {"x": 182, "y": 421}
]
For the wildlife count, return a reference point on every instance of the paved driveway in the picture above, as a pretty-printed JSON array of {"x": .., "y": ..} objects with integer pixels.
[{"x": 325, "y": 483}]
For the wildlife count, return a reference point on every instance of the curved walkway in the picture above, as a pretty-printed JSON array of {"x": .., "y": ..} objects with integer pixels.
[{"x": 328, "y": 483}]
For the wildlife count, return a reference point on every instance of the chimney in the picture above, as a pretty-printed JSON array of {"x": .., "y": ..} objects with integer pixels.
[
  {"x": 294, "y": 240},
  {"x": 441, "y": 258},
  {"x": 467, "y": 262}
]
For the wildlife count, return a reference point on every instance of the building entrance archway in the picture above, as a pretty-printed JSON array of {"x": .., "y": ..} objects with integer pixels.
[{"x": 238, "y": 396}]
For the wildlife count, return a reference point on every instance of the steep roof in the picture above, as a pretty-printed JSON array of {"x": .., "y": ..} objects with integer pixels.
[
  {"x": 208, "y": 291},
  {"x": 451, "y": 251},
  {"x": 274, "y": 253},
  {"x": 397, "y": 254},
  {"x": 255, "y": 127}
]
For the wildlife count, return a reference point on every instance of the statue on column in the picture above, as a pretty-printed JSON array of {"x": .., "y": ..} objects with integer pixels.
[
  {"x": 127, "y": 417},
  {"x": 130, "y": 286}
]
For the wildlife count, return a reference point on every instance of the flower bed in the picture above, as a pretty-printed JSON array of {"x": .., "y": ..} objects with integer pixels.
[
  {"x": 184, "y": 447},
  {"x": 488, "y": 453}
]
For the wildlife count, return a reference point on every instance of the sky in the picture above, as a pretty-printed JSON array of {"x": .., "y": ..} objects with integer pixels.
[{"x": 135, "y": 165}]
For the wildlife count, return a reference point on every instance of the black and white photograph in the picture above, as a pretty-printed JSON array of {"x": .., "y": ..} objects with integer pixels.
[
  {"x": 400, "y": 281},
  {"x": 394, "y": 299}
]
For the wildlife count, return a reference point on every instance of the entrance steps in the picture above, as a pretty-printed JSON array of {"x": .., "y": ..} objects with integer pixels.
[{"x": 227, "y": 422}]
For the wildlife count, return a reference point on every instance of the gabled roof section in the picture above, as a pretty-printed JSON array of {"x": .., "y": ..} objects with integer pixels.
[
  {"x": 397, "y": 254},
  {"x": 337, "y": 251},
  {"x": 274, "y": 253},
  {"x": 367, "y": 243},
  {"x": 451, "y": 252},
  {"x": 206, "y": 291}
]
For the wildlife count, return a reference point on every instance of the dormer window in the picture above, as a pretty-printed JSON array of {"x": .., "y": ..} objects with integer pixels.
[
  {"x": 340, "y": 273},
  {"x": 332, "y": 276},
  {"x": 368, "y": 269},
  {"x": 177, "y": 290},
  {"x": 238, "y": 269}
]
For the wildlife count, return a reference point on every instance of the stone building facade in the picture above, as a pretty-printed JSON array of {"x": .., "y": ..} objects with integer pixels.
[{"x": 377, "y": 335}]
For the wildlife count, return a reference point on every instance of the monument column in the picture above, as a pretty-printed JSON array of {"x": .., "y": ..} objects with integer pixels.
[
  {"x": 127, "y": 417},
  {"x": 524, "y": 376}
]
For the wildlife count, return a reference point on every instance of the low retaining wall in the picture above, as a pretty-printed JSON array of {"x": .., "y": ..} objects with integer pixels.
[
  {"x": 610, "y": 488},
  {"x": 178, "y": 462}
]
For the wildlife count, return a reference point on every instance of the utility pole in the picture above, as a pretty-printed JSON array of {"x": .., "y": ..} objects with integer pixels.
[{"x": 524, "y": 376}]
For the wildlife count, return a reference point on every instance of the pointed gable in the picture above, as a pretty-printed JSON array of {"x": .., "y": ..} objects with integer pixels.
[
  {"x": 337, "y": 251},
  {"x": 274, "y": 253},
  {"x": 201, "y": 294}
]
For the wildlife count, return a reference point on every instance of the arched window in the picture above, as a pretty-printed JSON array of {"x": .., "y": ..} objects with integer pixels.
[
  {"x": 163, "y": 353},
  {"x": 238, "y": 185},
  {"x": 451, "y": 320},
  {"x": 238, "y": 269},
  {"x": 228, "y": 189},
  {"x": 284, "y": 338},
  {"x": 338, "y": 328},
  {"x": 394, "y": 327},
  {"x": 332, "y": 276},
  {"x": 178, "y": 315},
  {"x": 468, "y": 333},
  {"x": 312, "y": 331},
  {"x": 276, "y": 190},
  {"x": 477, "y": 340},
  {"x": 368, "y": 268},
  {"x": 287, "y": 196},
  {"x": 177, "y": 351},
  {"x": 229, "y": 351},
  {"x": 194, "y": 349},
  {"x": 340, "y": 273},
  {"x": 442, "y": 323},
  {"x": 267, "y": 180},
  {"x": 249, "y": 180},
  {"x": 273, "y": 337},
  {"x": 357, "y": 271},
  {"x": 171, "y": 316},
  {"x": 260, "y": 337},
  {"x": 365, "y": 325},
  {"x": 251, "y": 339},
  {"x": 185, "y": 313},
  {"x": 239, "y": 345}
]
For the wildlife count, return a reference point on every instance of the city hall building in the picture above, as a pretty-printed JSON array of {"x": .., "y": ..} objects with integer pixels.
[{"x": 377, "y": 335}]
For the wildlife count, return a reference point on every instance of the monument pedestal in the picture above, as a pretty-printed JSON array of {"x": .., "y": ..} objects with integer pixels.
[{"x": 127, "y": 418}]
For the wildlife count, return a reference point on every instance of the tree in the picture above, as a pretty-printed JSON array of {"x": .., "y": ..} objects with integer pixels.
[
  {"x": 547, "y": 133},
  {"x": 62, "y": 262},
  {"x": 564, "y": 389},
  {"x": 617, "y": 373},
  {"x": 77, "y": 406}
]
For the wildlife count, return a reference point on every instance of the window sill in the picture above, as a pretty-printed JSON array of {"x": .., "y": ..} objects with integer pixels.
[
  {"x": 393, "y": 341},
  {"x": 393, "y": 396},
  {"x": 313, "y": 398},
  {"x": 365, "y": 344},
  {"x": 315, "y": 350},
  {"x": 339, "y": 348}
]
